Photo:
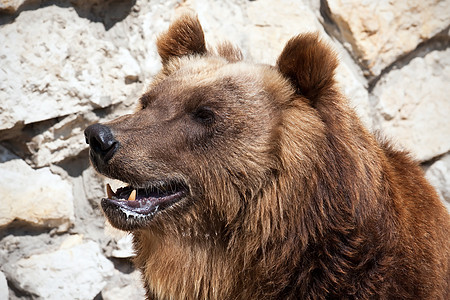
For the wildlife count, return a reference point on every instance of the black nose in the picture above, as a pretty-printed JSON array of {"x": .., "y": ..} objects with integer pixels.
[{"x": 101, "y": 140}]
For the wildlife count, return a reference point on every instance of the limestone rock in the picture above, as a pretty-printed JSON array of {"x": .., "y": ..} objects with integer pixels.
[
  {"x": 132, "y": 290},
  {"x": 71, "y": 241},
  {"x": 269, "y": 33},
  {"x": 211, "y": 16},
  {"x": 124, "y": 247},
  {"x": 4, "y": 292},
  {"x": 93, "y": 186},
  {"x": 378, "y": 32},
  {"x": 254, "y": 26},
  {"x": 37, "y": 197},
  {"x": 44, "y": 78},
  {"x": 439, "y": 176},
  {"x": 137, "y": 33},
  {"x": 126, "y": 285},
  {"x": 79, "y": 272},
  {"x": 60, "y": 141},
  {"x": 412, "y": 105}
]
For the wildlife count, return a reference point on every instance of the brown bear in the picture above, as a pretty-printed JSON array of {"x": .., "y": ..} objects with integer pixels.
[{"x": 250, "y": 181}]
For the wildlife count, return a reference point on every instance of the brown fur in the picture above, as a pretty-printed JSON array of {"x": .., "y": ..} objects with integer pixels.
[{"x": 290, "y": 196}]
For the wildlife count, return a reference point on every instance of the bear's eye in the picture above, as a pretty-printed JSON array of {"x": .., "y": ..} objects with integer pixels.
[{"x": 204, "y": 115}]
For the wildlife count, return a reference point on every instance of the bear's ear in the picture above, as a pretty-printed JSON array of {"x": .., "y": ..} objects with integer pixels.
[
  {"x": 184, "y": 37},
  {"x": 309, "y": 64},
  {"x": 229, "y": 52}
]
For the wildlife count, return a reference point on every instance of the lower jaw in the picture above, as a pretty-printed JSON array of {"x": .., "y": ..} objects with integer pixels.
[{"x": 124, "y": 219}]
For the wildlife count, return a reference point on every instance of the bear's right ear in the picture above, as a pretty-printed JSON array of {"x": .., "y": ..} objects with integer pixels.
[
  {"x": 184, "y": 37},
  {"x": 309, "y": 64}
]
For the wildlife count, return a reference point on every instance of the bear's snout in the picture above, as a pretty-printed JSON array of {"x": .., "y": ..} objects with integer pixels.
[{"x": 101, "y": 141}]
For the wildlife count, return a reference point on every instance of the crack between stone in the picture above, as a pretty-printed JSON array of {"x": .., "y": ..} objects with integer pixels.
[
  {"x": 439, "y": 42},
  {"x": 333, "y": 30}
]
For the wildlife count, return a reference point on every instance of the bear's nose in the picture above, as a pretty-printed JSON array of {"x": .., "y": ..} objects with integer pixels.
[{"x": 101, "y": 140}]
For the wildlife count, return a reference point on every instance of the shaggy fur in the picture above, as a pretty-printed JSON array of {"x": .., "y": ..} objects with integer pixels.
[{"x": 289, "y": 196}]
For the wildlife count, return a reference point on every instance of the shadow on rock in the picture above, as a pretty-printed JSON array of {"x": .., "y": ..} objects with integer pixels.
[{"x": 108, "y": 12}]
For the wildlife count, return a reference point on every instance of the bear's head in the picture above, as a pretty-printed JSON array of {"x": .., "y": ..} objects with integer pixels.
[{"x": 217, "y": 143}]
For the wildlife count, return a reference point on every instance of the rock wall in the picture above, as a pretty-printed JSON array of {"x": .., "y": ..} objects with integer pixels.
[{"x": 65, "y": 64}]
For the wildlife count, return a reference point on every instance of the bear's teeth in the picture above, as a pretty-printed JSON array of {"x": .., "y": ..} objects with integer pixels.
[
  {"x": 109, "y": 191},
  {"x": 132, "y": 196}
]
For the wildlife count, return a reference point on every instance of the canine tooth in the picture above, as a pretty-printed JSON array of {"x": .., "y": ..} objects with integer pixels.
[
  {"x": 132, "y": 196},
  {"x": 109, "y": 191}
]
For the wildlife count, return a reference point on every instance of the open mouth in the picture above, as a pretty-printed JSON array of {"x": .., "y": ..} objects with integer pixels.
[{"x": 141, "y": 203}]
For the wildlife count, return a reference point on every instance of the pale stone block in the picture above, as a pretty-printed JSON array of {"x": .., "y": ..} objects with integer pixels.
[
  {"x": 79, "y": 272},
  {"x": 378, "y": 32},
  {"x": 412, "y": 105},
  {"x": 37, "y": 197}
]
